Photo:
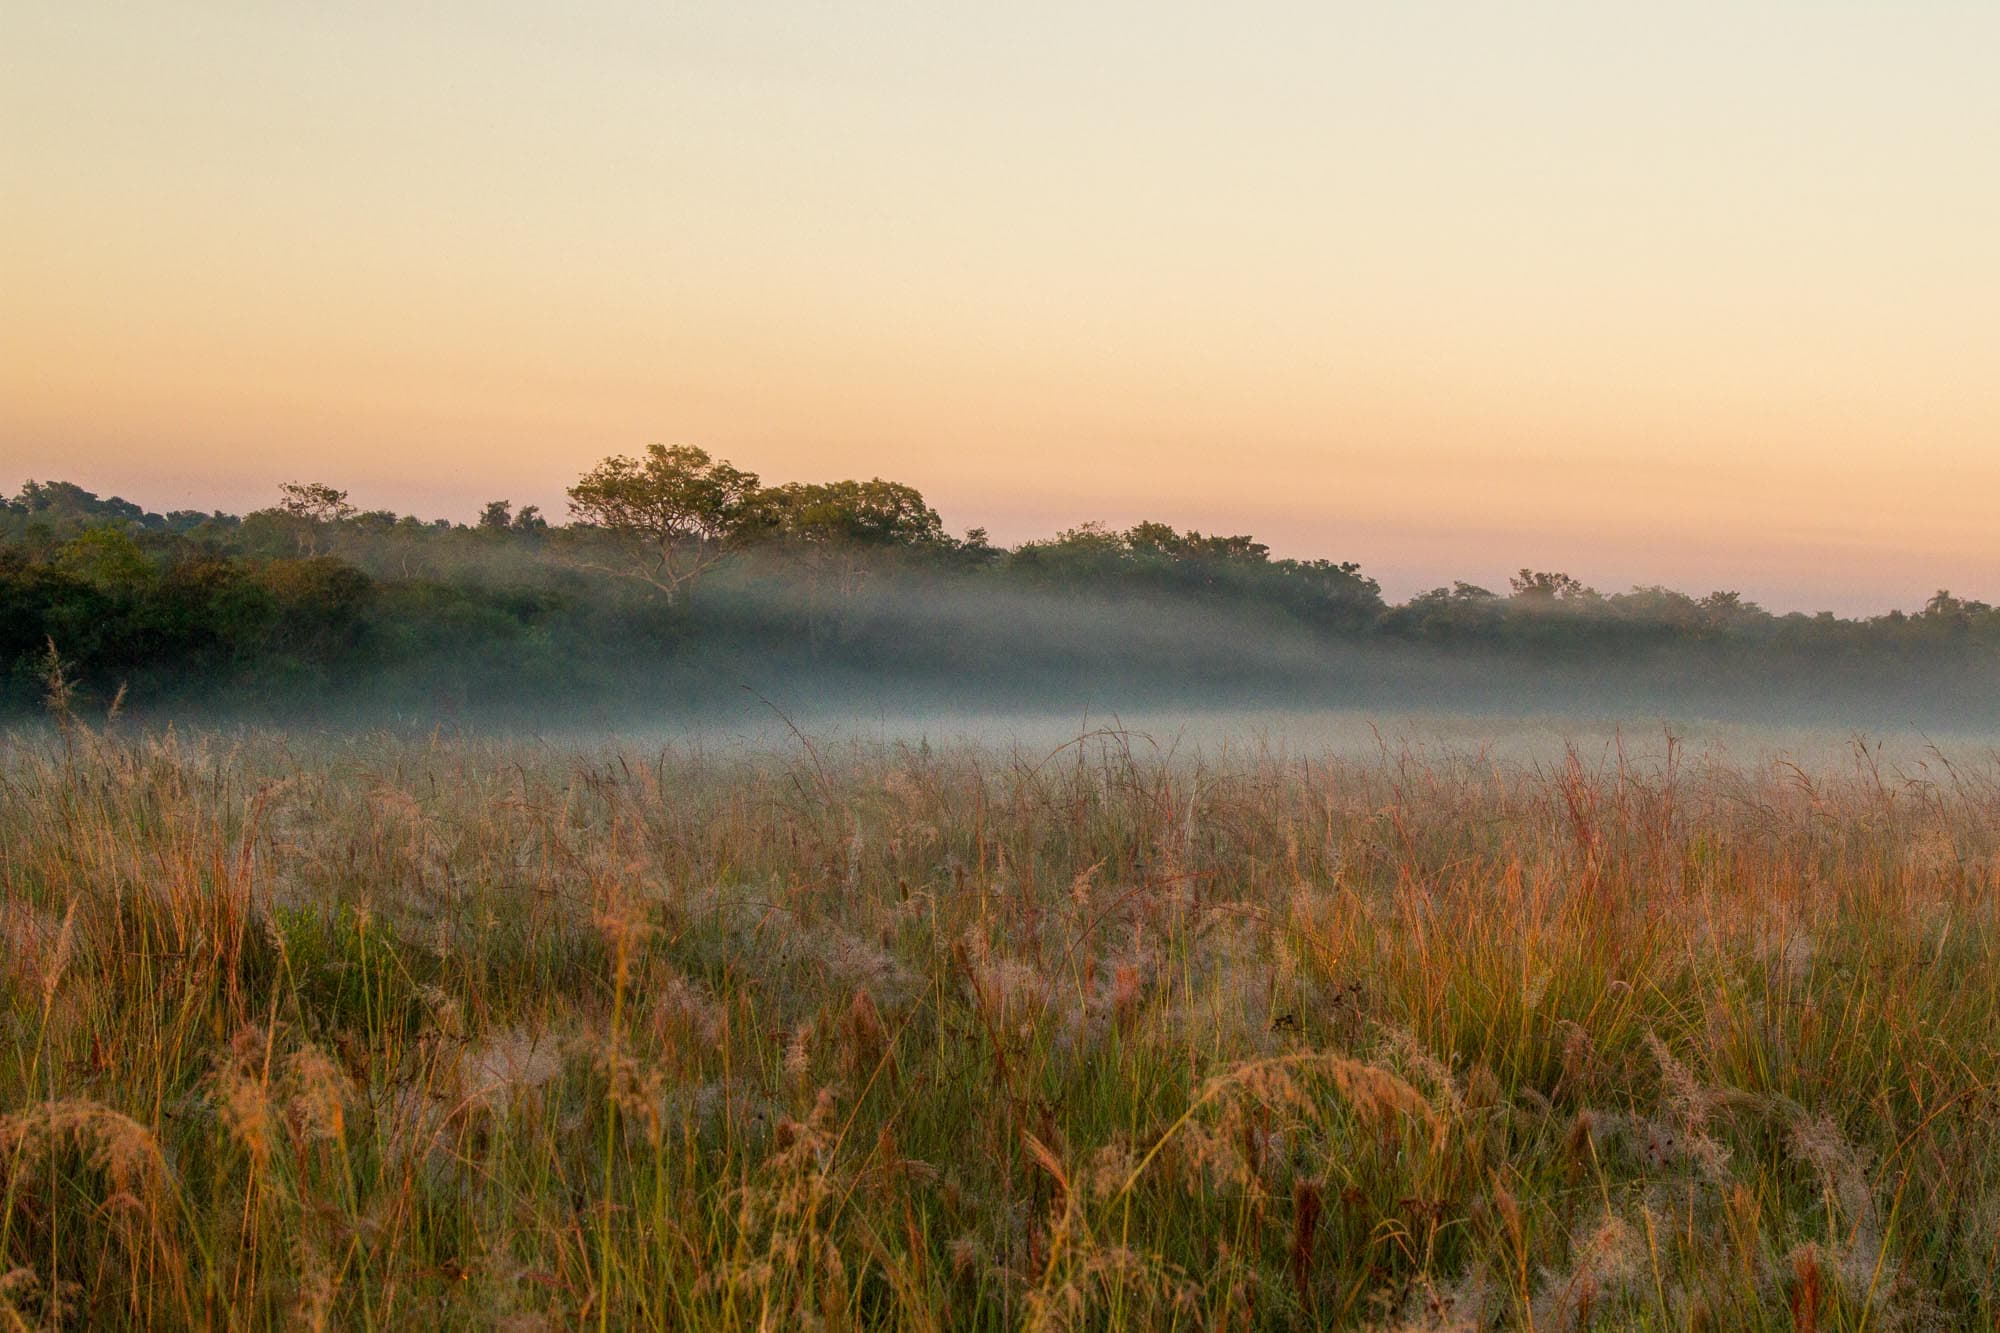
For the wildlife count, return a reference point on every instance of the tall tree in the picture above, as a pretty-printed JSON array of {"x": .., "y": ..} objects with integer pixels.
[
  {"x": 865, "y": 513},
  {"x": 1541, "y": 587},
  {"x": 313, "y": 507},
  {"x": 667, "y": 518},
  {"x": 834, "y": 527}
]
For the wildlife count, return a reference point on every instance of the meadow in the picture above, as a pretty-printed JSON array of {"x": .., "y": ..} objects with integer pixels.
[{"x": 459, "y": 1031}]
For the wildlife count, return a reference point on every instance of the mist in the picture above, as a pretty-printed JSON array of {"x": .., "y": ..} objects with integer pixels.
[
  {"x": 912, "y": 658},
  {"x": 848, "y": 607}
]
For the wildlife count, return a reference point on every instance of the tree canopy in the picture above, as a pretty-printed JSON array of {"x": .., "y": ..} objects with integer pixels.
[
  {"x": 668, "y": 517},
  {"x": 314, "y": 590}
]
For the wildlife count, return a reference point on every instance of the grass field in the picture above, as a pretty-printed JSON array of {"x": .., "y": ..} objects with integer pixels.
[{"x": 391, "y": 1032}]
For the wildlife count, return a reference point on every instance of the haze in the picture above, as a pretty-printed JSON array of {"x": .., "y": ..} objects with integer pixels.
[{"x": 1704, "y": 295}]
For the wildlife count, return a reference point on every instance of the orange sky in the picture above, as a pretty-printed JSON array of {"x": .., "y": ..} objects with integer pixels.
[{"x": 1705, "y": 294}]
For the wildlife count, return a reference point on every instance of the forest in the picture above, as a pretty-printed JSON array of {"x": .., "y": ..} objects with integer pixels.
[{"x": 679, "y": 578}]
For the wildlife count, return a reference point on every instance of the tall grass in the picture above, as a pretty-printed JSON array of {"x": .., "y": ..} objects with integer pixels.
[{"x": 469, "y": 1033}]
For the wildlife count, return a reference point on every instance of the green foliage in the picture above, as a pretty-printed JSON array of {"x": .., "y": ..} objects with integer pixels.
[
  {"x": 1155, "y": 560},
  {"x": 62, "y": 500},
  {"x": 861, "y": 513},
  {"x": 106, "y": 558},
  {"x": 314, "y": 600},
  {"x": 311, "y": 512},
  {"x": 666, "y": 518},
  {"x": 1538, "y": 587}
]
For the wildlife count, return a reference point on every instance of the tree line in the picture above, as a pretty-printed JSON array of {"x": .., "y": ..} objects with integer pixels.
[{"x": 676, "y": 557}]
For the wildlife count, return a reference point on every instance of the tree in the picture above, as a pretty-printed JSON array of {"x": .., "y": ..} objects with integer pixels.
[
  {"x": 1543, "y": 586},
  {"x": 315, "y": 501},
  {"x": 105, "y": 557},
  {"x": 1161, "y": 540},
  {"x": 1075, "y": 557},
  {"x": 498, "y": 515},
  {"x": 1090, "y": 535},
  {"x": 312, "y": 507},
  {"x": 1725, "y": 609},
  {"x": 667, "y": 518},
  {"x": 1152, "y": 538},
  {"x": 68, "y": 500},
  {"x": 1946, "y": 608},
  {"x": 975, "y": 550},
  {"x": 835, "y": 525},
  {"x": 864, "y": 513}
]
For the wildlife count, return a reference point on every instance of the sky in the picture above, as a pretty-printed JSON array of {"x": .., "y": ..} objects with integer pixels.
[{"x": 1703, "y": 294}]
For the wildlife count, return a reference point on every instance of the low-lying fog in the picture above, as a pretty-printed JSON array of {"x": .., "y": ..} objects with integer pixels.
[{"x": 1223, "y": 735}]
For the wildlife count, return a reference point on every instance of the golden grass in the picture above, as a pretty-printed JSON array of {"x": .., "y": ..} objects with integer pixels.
[{"x": 385, "y": 1032}]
